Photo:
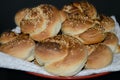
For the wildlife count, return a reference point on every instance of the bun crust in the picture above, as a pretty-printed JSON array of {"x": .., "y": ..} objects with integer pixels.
[
  {"x": 101, "y": 57},
  {"x": 92, "y": 35},
  {"x": 76, "y": 26},
  {"x": 111, "y": 40},
  {"x": 41, "y": 22},
  {"x": 21, "y": 47},
  {"x": 61, "y": 55},
  {"x": 83, "y": 7},
  {"x": 7, "y": 36},
  {"x": 107, "y": 22},
  {"x": 87, "y": 8}
]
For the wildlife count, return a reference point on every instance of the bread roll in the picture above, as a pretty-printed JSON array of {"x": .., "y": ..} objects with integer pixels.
[
  {"x": 76, "y": 26},
  {"x": 21, "y": 47},
  {"x": 111, "y": 40},
  {"x": 88, "y": 10},
  {"x": 61, "y": 55},
  {"x": 101, "y": 57},
  {"x": 76, "y": 22},
  {"x": 33, "y": 21},
  {"x": 41, "y": 22},
  {"x": 107, "y": 22},
  {"x": 92, "y": 35},
  {"x": 7, "y": 36}
]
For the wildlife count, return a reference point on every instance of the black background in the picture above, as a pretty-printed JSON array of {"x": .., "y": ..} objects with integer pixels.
[{"x": 8, "y": 8}]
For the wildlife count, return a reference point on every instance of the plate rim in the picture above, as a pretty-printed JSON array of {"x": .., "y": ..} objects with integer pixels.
[{"x": 69, "y": 77}]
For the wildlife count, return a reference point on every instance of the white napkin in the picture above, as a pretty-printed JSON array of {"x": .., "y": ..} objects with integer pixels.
[{"x": 10, "y": 62}]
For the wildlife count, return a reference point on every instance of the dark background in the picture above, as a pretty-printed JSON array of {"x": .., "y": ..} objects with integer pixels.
[{"x": 8, "y": 8}]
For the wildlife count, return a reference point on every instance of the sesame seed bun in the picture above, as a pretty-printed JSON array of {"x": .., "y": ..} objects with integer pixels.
[
  {"x": 101, "y": 57},
  {"x": 61, "y": 55},
  {"x": 111, "y": 40},
  {"x": 93, "y": 35},
  {"x": 21, "y": 47},
  {"x": 7, "y": 36},
  {"x": 40, "y": 22},
  {"x": 107, "y": 22},
  {"x": 74, "y": 26}
]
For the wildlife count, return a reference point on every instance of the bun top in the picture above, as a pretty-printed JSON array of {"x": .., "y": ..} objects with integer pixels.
[
  {"x": 101, "y": 57},
  {"x": 107, "y": 22},
  {"x": 21, "y": 47},
  {"x": 86, "y": 9},
  {"x": 111, "y": 40},
  {"x": 39, "y": 22},
  {"x": 7, "y": 36},
  {"x": 56, "y": 46},
  {"x": 76, "y": 26},
  {"x": 93, "y": 35},
  {"x": 37, "y": 18},
  {"x": 78, "y": 17},
  {"x": 64, "y": 51}
]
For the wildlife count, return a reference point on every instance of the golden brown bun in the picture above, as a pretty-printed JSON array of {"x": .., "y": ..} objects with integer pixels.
[
  {"x": 41, "y": 22},
  {"x": 88, "y": 10},
  {"x": 111, "y": 40},
  {"x": 61, "y": 55},
  {"x": 33, "y": 21},
  {"x": 101, "y": 57},
  {"x": 21, "y": 47},
  {"x": 78, "y": 18},
  {"x": 7, "y": 36},
  {"x": 76, "y": 26},
  {"x": 75, "y": 22},
  {"x": 20, "y": 15},
  {"x": 107, "y": 22},
  {"x": 92, "y": 35}
]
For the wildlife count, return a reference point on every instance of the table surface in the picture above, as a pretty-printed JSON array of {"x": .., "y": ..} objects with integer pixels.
[{"x": 10, "y": 7}]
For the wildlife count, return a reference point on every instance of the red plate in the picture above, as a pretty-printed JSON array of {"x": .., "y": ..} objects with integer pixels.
[{"x": 69, "y": 77}]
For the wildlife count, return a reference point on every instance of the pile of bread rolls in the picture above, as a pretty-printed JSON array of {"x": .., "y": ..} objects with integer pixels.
[{"x": 63, "y": 41}]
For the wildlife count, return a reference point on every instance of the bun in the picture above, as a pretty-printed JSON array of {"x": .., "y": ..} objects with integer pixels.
[
  {"x": 76, "y": 26},
  {"x": 101, "y": 57},
  {"x": 111, "y": 40},
  {"x": 61, "y": 55},
  {"x": 21, "y": 47},
  {"x": 7, "y": 36},
  {"x": 92, "y": 35},
  {"x": 41, "y": 22},
  {"x": 107, "y": 22},
  {"x": 87, "y": 9}
]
